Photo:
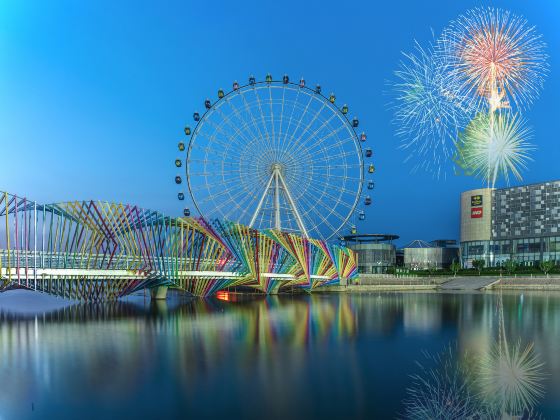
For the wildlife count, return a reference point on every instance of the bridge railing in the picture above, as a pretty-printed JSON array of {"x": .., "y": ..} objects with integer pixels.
[{"x": 59, "y": 260}]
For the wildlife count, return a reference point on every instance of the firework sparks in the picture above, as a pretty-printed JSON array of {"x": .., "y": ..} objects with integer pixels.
[
  {"x": 511, "y": 379},
  {"x": 494, "y": 146},
  {"x": 428, "y": 110},
  {"x": 443, "y": 390},
  {"x": 497, "y": 57}
]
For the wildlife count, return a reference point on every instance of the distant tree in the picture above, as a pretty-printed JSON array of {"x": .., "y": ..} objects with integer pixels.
[
  {"x": 391, "y": 270},
  {"x": 478, "y": 265},
  {"x": 510, "y": 266},
  {"x": 547, "y": 266},
  {"x": 455, "y": 267},
  {"x": 432, "y": 268}
]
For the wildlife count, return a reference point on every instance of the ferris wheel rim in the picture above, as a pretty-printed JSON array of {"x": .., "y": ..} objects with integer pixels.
[{"x": 312, "y": 93}]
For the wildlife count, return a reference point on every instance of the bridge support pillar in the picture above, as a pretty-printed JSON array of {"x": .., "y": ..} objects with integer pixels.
[
  {"x": 275, "y": 287},
  {"x": 159, "y": 292}
]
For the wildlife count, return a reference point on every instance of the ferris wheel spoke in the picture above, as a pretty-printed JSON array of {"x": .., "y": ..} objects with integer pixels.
[
  {"x": 263, "y": 119},
  {"x": 277, "y": 141},
  {"x": 245, "y": 125},
  {"x": 244, "y": 205},
  {"x": 298, "y": 124},
  {"x": 319, "y": 214},
  {"x": 254, "y": 121},
  {"x": 329, "y": 157},
  {"x": 210, "y": 141},
  {"x": 297, "y": 142},
  {"x": 332, "y": 197},
  {"x": 310, "y": 139},
  {"x": 328, "y": 185},
  {"x": 232, "y": 203},
  {"x": 209, "y": 151},
  {"x": 295, "y": 102},
  {"x": 233, "y": 139},
  {"x": 325, "y": 217},
  {"x": 271, "y": 103},
  {"x": 239, "y": 134},
  {"x": 320, "y": 141}
]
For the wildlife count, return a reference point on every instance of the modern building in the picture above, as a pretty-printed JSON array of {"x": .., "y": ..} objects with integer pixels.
[
  {"x": 376, "y": 252},
  {"x": 421, "y": 255},
  {"x": 519, "y": 223}
]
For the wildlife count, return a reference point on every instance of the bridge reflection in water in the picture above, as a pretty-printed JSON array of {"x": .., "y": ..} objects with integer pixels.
[
  {"x": 92, "y": 250},
  {"x": 302, "y": 356}
]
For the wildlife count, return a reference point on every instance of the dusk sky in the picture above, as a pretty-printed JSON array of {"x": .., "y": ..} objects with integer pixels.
[{"x": 94, "y": 97}]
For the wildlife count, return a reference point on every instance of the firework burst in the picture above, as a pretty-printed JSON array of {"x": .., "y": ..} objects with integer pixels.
[
  {"x": 493, "y": 146},
  {"x": 443, "y": 389},
  {"x": 497, "y": 57},
  {"x": 511, "y": 378},
  {"x": 428, "y": 109}
]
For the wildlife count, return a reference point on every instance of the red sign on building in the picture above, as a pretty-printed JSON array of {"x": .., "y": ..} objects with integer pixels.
[{"x": 476, "y": 212}]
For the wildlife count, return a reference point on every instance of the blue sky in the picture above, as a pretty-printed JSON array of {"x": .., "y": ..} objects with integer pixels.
[{"x": 94, "y": 97}]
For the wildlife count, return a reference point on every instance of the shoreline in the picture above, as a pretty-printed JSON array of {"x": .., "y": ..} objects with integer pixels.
[{"x": 388, "y": 284}]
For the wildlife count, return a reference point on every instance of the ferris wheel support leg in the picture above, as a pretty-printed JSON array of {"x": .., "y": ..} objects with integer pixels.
[
  {"x": 277, "y": 222},
  {"x": 258, "y": 209},
  {"x": 292, "y": 204}
]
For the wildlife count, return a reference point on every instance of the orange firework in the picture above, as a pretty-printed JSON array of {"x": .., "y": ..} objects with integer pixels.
[{"x": 497, "y": 57}]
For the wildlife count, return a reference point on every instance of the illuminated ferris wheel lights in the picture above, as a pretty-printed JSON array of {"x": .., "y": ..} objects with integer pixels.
[
  {"x": 252, "y": 80},
  {"x": 268, "y": 78},
  {"x": 370, "y": 185},
  {"x": 186, "y": 212},
  {"x": 344, "y": 109},
  {"x": 187, "y": 131},
  {"x": 363, "y": 136},
  {"x": 220, "y": 93},
  {"x": 178, "y": 163},
  {"x": 367, "y": 200},
  {"x": 302, "y": 82},
  {"x": 318, "y": 89},
  {"x": 362, "y": 215},
  {"x": 207, "y": 104},
  {"x": 332, "y": 98},
  {"x": 196, "y": 116},
  {"x": 285, "y": 79},
  {"x": 369, "y": 152},
  {"x": 181, "y": 146},
  {"x": 355, "y": 122},
  {"x": 178, "y": 180},
  {"x": 235, "y": 85},
  {"x": 181, "y": 196}
]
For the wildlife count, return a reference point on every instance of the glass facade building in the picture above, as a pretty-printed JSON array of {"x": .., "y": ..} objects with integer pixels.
[
  {"x": 421, "y": 255},
  {"x": 376, "y": 252},
  {"x": 519, "y": 223}
]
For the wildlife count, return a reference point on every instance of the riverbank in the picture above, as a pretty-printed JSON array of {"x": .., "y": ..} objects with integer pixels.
[
  {"x": 378, "y": 288},
  {"x": 529, "y": 283},
  {"x": 391, "y": 283}
]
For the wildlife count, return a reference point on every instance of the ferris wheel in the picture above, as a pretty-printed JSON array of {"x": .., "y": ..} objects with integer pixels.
[{"x": 276, "y": 154}]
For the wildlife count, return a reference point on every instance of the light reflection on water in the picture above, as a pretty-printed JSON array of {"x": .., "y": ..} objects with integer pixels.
[{"x": 313, "y": 356}]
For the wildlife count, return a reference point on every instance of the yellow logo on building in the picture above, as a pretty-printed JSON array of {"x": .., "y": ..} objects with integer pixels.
[{"x": 476, "y": 200}]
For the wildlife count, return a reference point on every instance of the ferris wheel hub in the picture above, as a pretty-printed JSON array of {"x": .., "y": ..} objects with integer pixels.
[{"x": 276, "y": 167}]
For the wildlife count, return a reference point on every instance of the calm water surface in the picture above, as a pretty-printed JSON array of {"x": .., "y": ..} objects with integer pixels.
[{"x": 321, "y": 356}]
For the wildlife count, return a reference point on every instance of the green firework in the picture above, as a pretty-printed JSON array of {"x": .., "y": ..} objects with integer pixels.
[{"x": 493, "y": 146}]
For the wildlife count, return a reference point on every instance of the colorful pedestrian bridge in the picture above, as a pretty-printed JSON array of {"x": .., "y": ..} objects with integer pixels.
[{"x": 94, "y": 250}]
